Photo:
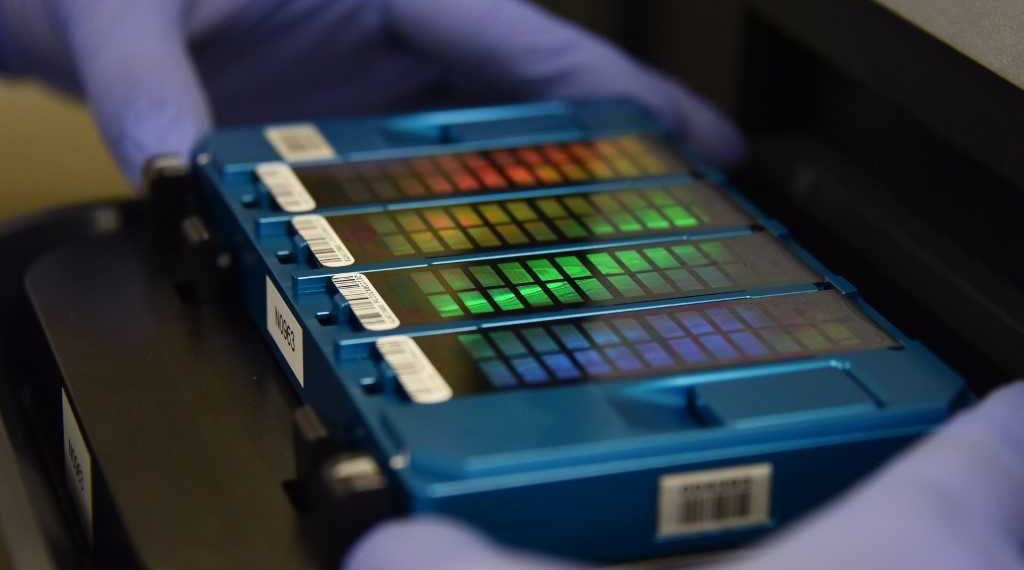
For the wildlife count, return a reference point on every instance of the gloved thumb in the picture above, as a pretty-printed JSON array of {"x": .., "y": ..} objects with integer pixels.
[
  {"x": 139, "y": 79},
  {"x": 955, "y": 500},
  {"x": 434, "y": 542}
]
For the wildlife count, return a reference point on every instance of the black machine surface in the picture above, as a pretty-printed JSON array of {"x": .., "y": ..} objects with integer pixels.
[{"x": 905, "y": 138}]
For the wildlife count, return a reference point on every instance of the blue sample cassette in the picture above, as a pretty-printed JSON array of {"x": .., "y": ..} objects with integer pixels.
[{"x": 554, "y": 322}]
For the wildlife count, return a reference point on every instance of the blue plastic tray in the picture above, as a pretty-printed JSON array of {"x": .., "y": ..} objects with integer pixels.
[{"x": 659, "y": 423}]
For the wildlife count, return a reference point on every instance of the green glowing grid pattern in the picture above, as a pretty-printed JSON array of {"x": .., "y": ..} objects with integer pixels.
[
  {"x": 651, "y": 342},
  {"x": 514, "y": 168},
  {"x": 447, "y": 230},
  {"x": 596, "y": 277}
]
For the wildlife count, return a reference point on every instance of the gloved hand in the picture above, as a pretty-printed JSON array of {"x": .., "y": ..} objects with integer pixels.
[
  {"x": 157, "y": 73},
  {"x": 954, "y": 501}
]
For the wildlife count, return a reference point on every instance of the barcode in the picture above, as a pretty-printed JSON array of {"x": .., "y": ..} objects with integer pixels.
[
  {"x": 369, "y": 308},
  {"x": 286, "y": 188},
  {"x": 323, "y": 241},
  {"x": 714, "y": 499},
  {"x": 299, "y": 142},
  {"x": 417, "y": 375}
]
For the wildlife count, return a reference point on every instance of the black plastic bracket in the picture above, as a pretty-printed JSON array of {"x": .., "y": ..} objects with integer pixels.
[{"x": 341, "y": 492}]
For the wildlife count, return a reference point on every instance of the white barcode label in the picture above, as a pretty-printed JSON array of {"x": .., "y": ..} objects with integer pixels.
[
  {"x": 286, "y": 188},
  {"x": 299, "y": 142},
  {"x": 285, "y": 330},
  {"x": 417, "y": 375},
  {"x": 368, "y": 306},
  {"x": 323, "y": 241},
  {"x": 77, "y": 463},
  {"x": 714, "y": 499}
]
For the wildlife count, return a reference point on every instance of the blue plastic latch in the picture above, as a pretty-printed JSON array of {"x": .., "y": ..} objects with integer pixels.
[
  {"x": 774, "y": 227},
  {"x": 781, "y": 398},
  {"x": 511, "y": 128},
  {"x": 841, "y": 284}
]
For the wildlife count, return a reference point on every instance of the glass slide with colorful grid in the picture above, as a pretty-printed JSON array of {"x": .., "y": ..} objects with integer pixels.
[
  {"x": 369, "y": 164},
  {"x": 648, "y": 343},
  {"x": 552, "y": 321},
  {"x": 538, "y": 285},
  {"x": 531, "y": 167},
  {"x": 493, "y": 170},
  {"x": 693, "y": 208}
]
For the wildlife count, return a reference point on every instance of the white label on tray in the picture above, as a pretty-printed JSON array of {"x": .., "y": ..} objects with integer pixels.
[
  {"x": 323, "y": 241},
  {"x": 714, "y": 499},
  {"x": 285, "y": 330},
  {"x": 299, "y": 142},
  {"x": 366, "y": 303},
  {"x": 286, "y": 188},
  {"x": 418, "y": 376},
  {"x": 77, "y": 463}
]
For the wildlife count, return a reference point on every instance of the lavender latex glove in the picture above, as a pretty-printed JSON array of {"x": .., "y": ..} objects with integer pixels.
[
  {"x": 158, "y": 73},
  {"x": 952, "y": 502}
]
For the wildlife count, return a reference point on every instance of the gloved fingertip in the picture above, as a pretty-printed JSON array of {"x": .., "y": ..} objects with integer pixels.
[
  {"x": 155, "y": 124},
  {"x": 1001, "y": 415},
  {"x": 702, "y": 126},
  {"x": 437, "y": 542},
  {"x": 711, "y": 132},
  {"x": 1010, "y": 396},
  {"x": 138, "y": 76},
  {"x": 418, "y": 542},
  {"x": 974, "y": 465},
  {"x": 1002, "y": 407}
]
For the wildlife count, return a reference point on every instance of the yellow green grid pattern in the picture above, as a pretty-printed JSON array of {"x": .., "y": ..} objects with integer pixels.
[
  {"x": 539, "y": 221},
  {"x": 624, "y": 274}
]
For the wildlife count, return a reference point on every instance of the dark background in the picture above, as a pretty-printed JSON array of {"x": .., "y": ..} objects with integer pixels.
[
  {"x": 889, "y": 153},
  {"x": 696, "y": 41}
]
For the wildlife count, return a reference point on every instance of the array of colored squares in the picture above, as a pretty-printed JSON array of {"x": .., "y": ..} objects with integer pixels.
[
  {"x": 596, "y": 277},
  {"x": 446, "y": 230},
  {"x": 653, "y": 342},
  {"x": 519, "y": 168}
]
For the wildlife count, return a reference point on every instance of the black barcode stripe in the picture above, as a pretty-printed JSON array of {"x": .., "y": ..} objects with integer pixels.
[
  {"x": 297, "y": 141},
  {"x": 716, "y": 501},
  {"x": 285, "y": 186},
  {"x": 405, "y": 360},
  {"x": 368, "y": 307},
  {"x": 319, "y": 242},
  {"x": 421, "y": 381},
  {"x": 286, "y": 195}
]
